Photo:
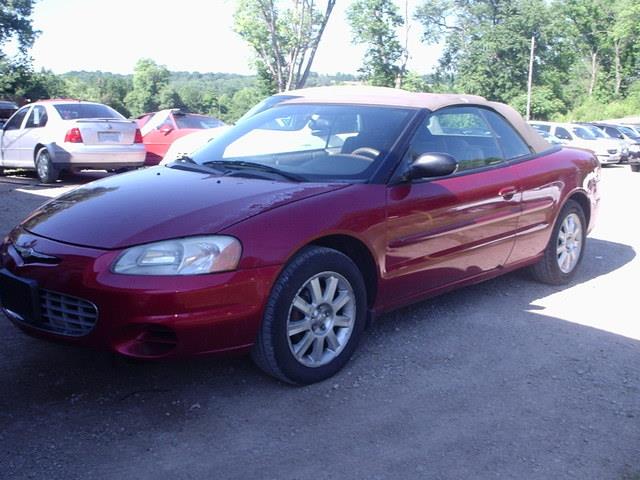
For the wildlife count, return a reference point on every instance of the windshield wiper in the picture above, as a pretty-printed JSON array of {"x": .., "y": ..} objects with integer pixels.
[
  {"x": 185, "y": 162},
  {"x": 231, "y": 165}
]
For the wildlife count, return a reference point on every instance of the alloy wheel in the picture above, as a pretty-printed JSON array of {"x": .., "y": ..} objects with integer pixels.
[
  {"x": 569, "y": 244},
  {"x": 321, "y": 319},
  {"x": 42, "y": 166}
]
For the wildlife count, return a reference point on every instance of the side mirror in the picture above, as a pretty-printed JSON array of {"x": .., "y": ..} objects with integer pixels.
[{"x": 429, "y": 165}]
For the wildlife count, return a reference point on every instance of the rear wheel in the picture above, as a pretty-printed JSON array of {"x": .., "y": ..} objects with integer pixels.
[
  {"x": 45, "y": 170},
  {"x": 565, "y": 249},
  {"x": 314, "y": 317}
]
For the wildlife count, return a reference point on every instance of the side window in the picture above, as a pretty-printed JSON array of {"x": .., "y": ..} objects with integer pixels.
[
  {"x": 539, "y": 126},
  {"x": 613, "y": 132},
  {"x": 37, "y": 118},
  {"x": 563, "y": 134},
  {"x": 15, "y": 121},
  {"x": 463, "y": 133},
  {"x": 509, "y": 140}
]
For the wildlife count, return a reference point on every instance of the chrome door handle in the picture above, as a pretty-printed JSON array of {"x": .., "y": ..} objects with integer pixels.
[{"x": 508, "y": 192}]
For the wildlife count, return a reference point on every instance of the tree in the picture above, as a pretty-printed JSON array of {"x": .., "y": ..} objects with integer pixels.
[
  {"x": 168, "y": 97},
  {"x": 487, "y": 45},
  {"x": 591, "y": 20},
  {"x": 15, "y": 24},
  {"x": 149, "y": 79},
  {"x": 285, "y": 40},
  {"x": 625, "y": 29},
  {"x": 374, "y": 23},
  {"x": 242, "y": 101}
]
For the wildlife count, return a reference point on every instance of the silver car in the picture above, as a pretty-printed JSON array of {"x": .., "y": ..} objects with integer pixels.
[
  {"x": 598, "y": 133},
  {"x": 608, "y": 150},
  {"x": 55, "y": 135}
]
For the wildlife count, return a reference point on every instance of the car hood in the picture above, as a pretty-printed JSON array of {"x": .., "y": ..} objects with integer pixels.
[
  {"x": 599, "y": 146},
  {"x": 160, "y": 203}
]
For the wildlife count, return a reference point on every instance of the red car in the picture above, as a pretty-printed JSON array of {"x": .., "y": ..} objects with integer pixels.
[
  {"x": 285, "y": 234},
  {"x": 161, "y": 129}
]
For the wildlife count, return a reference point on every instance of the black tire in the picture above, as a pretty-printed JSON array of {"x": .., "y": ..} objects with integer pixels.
[
  {"x": 273, "y": 351},
  {"x": 46, "y": 171},
  {"x": 635, "y": 168},
  {"x": 548, "y": 269}
]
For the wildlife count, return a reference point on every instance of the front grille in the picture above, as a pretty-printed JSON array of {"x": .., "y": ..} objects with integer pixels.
[
  {"x": 66, "y": 315},
  {"x": 612, "y": 151}
]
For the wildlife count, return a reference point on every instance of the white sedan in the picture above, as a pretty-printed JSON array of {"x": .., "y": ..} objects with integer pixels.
[{"x": 54, "y": 135}]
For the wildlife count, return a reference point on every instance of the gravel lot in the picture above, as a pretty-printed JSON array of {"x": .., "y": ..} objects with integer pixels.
[{"x": 507, "y": 379}]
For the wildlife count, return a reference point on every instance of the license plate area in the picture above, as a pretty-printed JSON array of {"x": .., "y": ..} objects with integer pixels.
[
  {"x": 109, "y": 137},
  {"x": 19, "y": 296}
]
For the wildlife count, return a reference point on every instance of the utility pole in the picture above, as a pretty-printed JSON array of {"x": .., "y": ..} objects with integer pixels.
[{"x": 533, "y": 46}]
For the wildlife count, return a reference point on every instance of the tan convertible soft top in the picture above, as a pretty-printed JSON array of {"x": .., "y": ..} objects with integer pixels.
[{"x": 401, "y": 98}]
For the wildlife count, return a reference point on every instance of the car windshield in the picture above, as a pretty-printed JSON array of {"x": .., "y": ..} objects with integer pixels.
[
  {"x": 264, "y": 105},
  {"x": 313, "y": 142},
  {"x": 583, "y": 133},
  {"x": 628, "y": 132},
  {"x": 596, "y": 131},
  {"x": 196, "y": 121},
  {"x": 72, "y": 111}
]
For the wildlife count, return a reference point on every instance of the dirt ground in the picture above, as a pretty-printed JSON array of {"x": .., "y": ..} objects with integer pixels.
[{"x": 507, "y": 379}]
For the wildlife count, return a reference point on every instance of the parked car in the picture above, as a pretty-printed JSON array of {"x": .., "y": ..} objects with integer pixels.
[
  {"x": 161, "y": 129},
  {"x": 635, "y": 128},
  {"x": 607, "y": 150},
  {"x": 552, "y": 139},
  {"x": 55, "y": 135},
  {"x": 630, "y": 136},
  {"x": 598, "y": 133},
  {"x": 7, "y": 109},
  {"x": 286, "y": 251}
]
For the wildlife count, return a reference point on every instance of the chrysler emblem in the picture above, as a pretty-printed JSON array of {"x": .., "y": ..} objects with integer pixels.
[{"x": 29, "y": 255}]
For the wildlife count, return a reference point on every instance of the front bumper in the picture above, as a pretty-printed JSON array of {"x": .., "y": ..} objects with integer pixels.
[
  {"x": 144, "y": 317},
  {"x": 609, "y": 158},
  {"x": 634, "y": 157}
]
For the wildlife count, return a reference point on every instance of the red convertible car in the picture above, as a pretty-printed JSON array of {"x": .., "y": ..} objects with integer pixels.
[
  {"x": 161, "y": 129},
  {"x": 293, "y": 228}
]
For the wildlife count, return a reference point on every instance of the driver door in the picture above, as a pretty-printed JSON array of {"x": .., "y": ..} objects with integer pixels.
[
  {"x": 12, "y": 139},
  {"x": 443, "y": 231}
]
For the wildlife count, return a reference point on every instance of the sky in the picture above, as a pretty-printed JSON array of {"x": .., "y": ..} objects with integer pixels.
[{"x": 185, "y": 35}]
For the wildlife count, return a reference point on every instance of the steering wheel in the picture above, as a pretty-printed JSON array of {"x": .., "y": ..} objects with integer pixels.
[{"x": 366, "y": 152}]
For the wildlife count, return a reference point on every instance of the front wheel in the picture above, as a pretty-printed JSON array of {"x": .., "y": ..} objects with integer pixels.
[
  {"x": 47, "y": 173},
  {"x": 635, "y": 168},
  {"x": 314, "y": 317},
  {"x": 566, "y": 247}
]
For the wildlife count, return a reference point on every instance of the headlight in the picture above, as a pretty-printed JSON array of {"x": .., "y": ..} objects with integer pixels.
[{"x": 184, "y": 256}]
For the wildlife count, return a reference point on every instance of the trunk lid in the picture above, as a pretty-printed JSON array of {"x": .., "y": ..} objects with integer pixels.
[{"x": 105, "y": 131}]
